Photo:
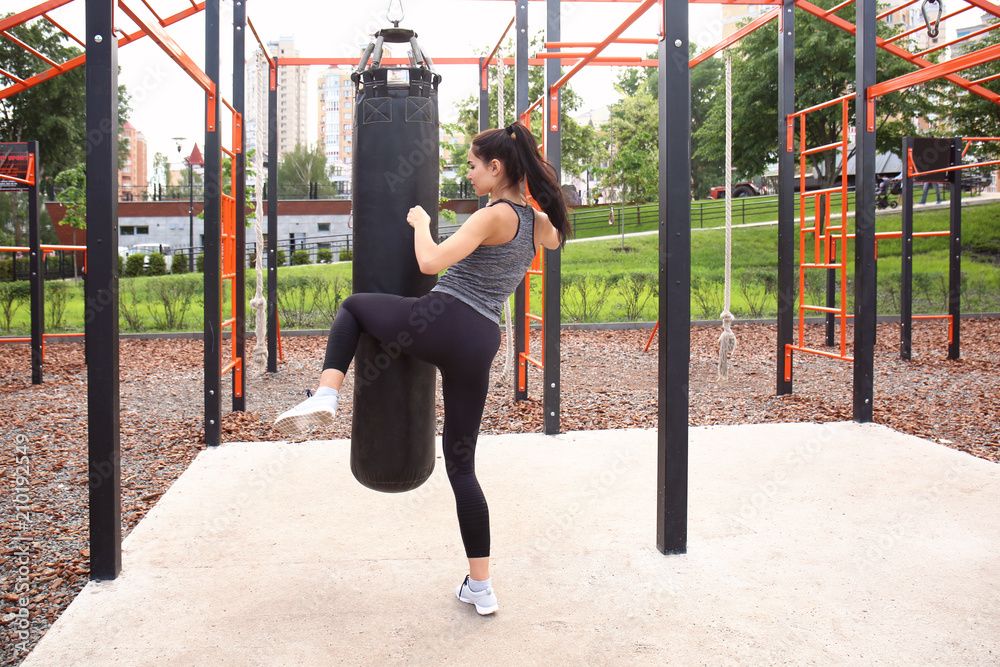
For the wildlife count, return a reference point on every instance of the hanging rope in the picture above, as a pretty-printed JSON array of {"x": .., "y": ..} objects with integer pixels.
[
  {"x": 258, "y": 302},
  {"x": 727, "y": 341}
]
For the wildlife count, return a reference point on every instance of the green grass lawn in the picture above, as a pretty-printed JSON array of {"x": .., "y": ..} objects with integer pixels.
[{"x": 601, "y": 282}]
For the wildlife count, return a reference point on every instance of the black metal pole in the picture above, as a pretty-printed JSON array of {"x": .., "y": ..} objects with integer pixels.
[
  {"x": 272, "y": 222},
  {"x": 786, "y": 195},
  {"x": 675, "y": 279},
  {"x": 239, "y": 194},
  {"x": 101, "y": 313},
  {"x": 36, "y": 269},
  {"x": 213, "y": 217},
  {"x": 955, "y": 252},
  {"x": 484, "y": 108},
  {"x": 521, "y": 103},
  {"x": 822, "y": 223},
  {"x": 190, "y": 214},
  {"x": 552, "y": 315},
  {"x": 865, "y": 307},
  {"x": 906, "y": 255}
]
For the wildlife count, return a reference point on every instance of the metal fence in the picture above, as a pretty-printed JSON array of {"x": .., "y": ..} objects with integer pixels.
[
  {"x": 335, "y": 190},
  {"x": 291, "y": 252}
]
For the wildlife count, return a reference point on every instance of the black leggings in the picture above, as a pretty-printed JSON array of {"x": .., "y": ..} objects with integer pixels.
[{"x": 462, "y": 343}]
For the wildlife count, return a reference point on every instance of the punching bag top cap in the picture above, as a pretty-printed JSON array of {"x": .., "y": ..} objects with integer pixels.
[{"x": 396, "y": 35}]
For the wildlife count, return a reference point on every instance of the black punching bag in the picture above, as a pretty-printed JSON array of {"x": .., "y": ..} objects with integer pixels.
[{"x": 395, "y": 168}]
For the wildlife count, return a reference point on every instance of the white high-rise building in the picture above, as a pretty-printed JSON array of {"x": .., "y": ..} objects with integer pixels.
[
  {"x": 335, "y": 99},
  {"x": 292, "y": 104}
]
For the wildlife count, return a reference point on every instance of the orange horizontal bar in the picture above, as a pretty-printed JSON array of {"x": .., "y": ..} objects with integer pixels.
[
  {"x": 531, "y": 316},
  {"x": 821, "y": 309},
  {"x": 824, "y": 191},
  {"x": 500, "y": 41},
  {"x": 532, "y": 361},
  {"x": 918, "y": 28},
  {"x": 977, "y": 33},
  {"x": 822, "y": 266},
  {"x": 823, "y": 105},
  {"x": 735, "y": 37},
  {"x": 822, "y": 353},
  {"x": 554, "y": 55},
  {"x": 820, "y": 149},
  {"x": 51, "y": 248},
  {"x": 930, "y": 317},
  {"x": 32, "y": 13},
  {"x": 64, "y": 30},
  {"x": 834, "y": 10},
  {"x": 590, "y": 45},
  {"x": 893, "y": 10},
  {"x": 171, "y": 48},
  {"x": 615, "y": 34},
  {"x": 228, "y": 367},
  {"x": 852, "y": 29}
]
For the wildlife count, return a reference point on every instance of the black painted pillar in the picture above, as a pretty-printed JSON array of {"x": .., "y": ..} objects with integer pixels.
[
  {"x": 272, "y": 222},
  {"x": 864, "y": 217},
  {"x": 552, "y": 315},
  {"x": 786, "y": 193},
  {"x": 521, "y": 103},
  {"x": 213, "y": 217},
  {"x": 101, "y": 314},
  {"x": 36, "y": 268},
  {"x": 239, "y": 193},
  {"x": 484, "y": 108},
  {"x": 906, "y": 255},
  {"x": 955, "y": 251},
  {"x": 675, "y": 280}
]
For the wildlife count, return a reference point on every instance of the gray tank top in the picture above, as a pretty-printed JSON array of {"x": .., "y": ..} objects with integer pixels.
[{"x": 490, "y": 273}]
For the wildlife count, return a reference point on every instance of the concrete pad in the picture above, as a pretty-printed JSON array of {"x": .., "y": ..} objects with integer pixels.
[{"x": 808, "y": 544}]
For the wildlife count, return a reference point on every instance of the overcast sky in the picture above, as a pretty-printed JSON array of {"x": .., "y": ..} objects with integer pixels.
[{"x": 166, "y": 103}]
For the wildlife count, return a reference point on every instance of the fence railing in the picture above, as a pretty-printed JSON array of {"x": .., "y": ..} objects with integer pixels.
[
  {"x": 59, "y": 264},
  {"x": 291, "y": 252}
]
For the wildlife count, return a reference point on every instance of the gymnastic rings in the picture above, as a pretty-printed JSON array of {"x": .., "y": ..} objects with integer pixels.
[
  {"x": 932, "y": 24},
  {"x": 388, "y": 12}
]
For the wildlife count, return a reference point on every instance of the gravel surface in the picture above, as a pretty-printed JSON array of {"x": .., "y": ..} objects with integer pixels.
[{"x": 608, "y": 382}]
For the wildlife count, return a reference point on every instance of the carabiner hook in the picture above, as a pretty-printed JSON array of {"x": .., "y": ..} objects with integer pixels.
[
  {"x": 932, "y": 26},
  {"x": 395, "y": 22}
]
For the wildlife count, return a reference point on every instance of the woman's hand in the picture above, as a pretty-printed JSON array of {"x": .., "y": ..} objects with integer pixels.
[{"x": 417, "y": 217}]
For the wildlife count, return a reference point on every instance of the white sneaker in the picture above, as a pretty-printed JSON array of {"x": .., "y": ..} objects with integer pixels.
[
  {"x": 314, "y": 411},
  {"x": 485, "y": 601}
]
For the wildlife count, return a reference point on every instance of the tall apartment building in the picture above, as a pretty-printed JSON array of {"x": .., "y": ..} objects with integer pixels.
[
  {"x": 291, "y": 100},
  {"x": 132, "y": 173},
  {"x": 335, "y": 99}
]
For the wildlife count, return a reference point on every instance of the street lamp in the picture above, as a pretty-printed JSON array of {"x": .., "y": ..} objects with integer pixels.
[{"x": 190, "y": 161}]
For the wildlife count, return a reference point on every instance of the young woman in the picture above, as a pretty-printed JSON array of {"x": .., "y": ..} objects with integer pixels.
[{"x": 486, "y": 260}]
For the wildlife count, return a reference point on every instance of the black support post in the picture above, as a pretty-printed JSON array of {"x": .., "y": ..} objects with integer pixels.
[
  {"x": 906, "y": 255},
  {"x": 272, "y": 222},
  {"x": 675, "y": 280},
  {"x": 484, "y": 108},
  {"x": 101, "y": 314},
  {"x": 239, "y": 194},
  {"x": 865, "y": 307},
  {"x": 213, "y": 217},
  {"x": 36, "y": 268},
  {"x": 955, "y": 252},
  {"x": 521, "y": 103},
  {"x": 786, "y": 193},
  {"x": 552, "y": 315}
]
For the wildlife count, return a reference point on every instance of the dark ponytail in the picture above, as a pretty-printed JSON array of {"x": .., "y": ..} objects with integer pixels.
[{"x": 515, "y": 148}]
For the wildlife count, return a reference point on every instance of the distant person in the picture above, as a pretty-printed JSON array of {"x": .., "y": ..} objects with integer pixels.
[{"x": 937, "y": 192}]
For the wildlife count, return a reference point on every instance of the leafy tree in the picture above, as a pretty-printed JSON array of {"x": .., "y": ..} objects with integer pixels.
[
  {"x": 634, "y": 123},
  {"x": 578, "y": 141},
  {"x": 824, "y": 70},
  {"x": 303, "y": 165},
  {"x": 966, "y": 114},
  {"x": 52, "y": 113},
  {"x": 161, "y": 169}
]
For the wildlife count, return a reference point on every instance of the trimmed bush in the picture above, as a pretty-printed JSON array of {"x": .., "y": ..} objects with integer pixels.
[
  {"x": 157, "y": 265},
  {"x": 12, "y": 297},
  {"x": 300, "y": 258},
  {"x": 121, "y": 265},
  {"x": 199, "y": 263},
  {"x": 282, "y": 258},
  {"x": 179, "y": 264},
  {"x": 346, "y": 256},
  {"x": 324, "y": 256},
  {"x": 134, "y": 265},
  {"x": 56, "y": 297}
]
